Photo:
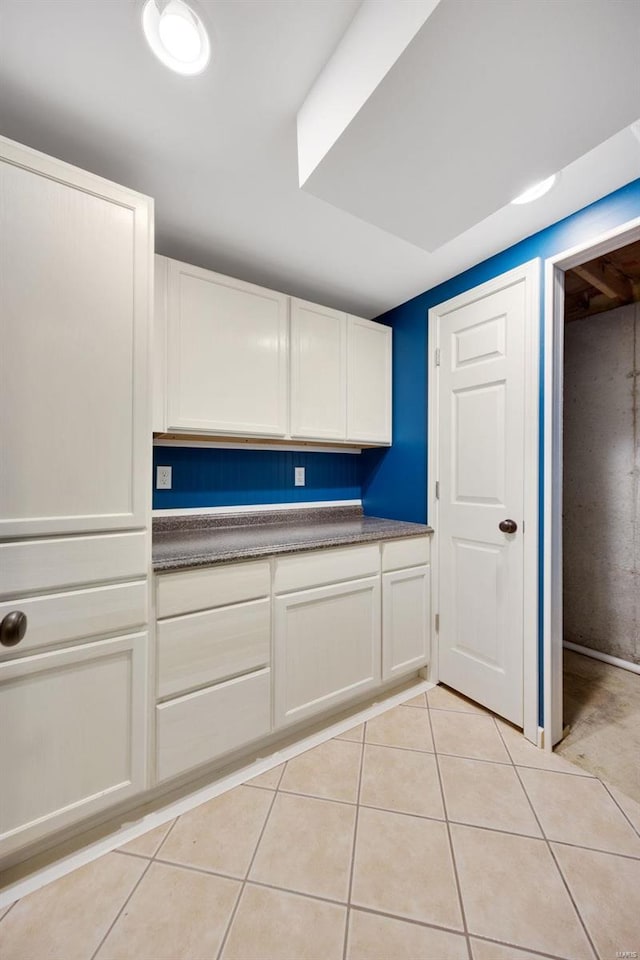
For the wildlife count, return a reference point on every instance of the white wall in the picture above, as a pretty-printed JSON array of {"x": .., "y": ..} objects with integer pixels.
[{"x": 601, "y": 483}]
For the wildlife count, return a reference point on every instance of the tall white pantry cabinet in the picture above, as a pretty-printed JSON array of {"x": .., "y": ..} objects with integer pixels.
[{"x": 76, "y": 260}]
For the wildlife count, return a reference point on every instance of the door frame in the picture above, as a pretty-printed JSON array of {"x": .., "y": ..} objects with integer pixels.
[
  {"x": 531, "y": 274},
  {"x": 553, "y": 374}
]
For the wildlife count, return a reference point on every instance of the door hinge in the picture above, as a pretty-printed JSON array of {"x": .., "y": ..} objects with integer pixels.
[
  {"x": 437, "y": 622},
  {"x": 437, "y": 356},
  {"x": 437, "y": 489}
]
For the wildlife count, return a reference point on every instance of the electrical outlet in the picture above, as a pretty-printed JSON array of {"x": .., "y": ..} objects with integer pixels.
[
  {"x": 299, "y": 477},
  {"x": 163, "y": 478}
]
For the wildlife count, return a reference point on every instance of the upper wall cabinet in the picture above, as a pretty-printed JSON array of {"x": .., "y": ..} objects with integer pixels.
[
  {"x": 369, "y": 379},
  {"x": 222, "y": 352},
  {"x": 227, "y": 368},
  {"x": 75, "y": 265},
  {"x": 318, "y": 372}
]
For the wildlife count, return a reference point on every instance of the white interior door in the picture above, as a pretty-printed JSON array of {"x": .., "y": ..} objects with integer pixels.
[{"x": 483, "y": 401}]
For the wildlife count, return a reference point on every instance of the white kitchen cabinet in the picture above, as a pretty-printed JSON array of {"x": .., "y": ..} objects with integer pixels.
[
  {"x": 237, "y": 360},
  {"x": 201, "y": 727},
  {"x": 75, "y": 266},
  {"x": 368, "y": 382},
  {"x": 75, "y": 495},
  {"x": 326, "y": 647},
  {"x": 73, "y": 738},
  {"x": 406, "y": 606},
  {"x": 227, "y": 355},
  {"x": 187, "y": 591},
  {"x": 213, "y": 645},
  {"x": 318, "y": 372}
]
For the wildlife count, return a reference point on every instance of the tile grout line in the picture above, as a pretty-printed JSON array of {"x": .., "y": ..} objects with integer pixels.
[
  {"x": 422, "y": 816},
  {"x": 448, "y": 825},
  {"x": 550, "y": 849},
  {"x": 460, "y": 756},
  {"x": 505, "y": 943},
  {"x": 353, "y": 845},
  {"x": 360, "y": 907},
  {"x": 135, "y": 887},
  {"x": 243, "y": 883},
  {"x": 620, "y": 808}
]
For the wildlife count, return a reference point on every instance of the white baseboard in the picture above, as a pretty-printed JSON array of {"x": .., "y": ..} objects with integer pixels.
[{"x": 604, "y": 657}]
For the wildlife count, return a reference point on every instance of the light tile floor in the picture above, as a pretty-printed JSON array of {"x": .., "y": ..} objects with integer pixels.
[{"x": 432, "y": 832}]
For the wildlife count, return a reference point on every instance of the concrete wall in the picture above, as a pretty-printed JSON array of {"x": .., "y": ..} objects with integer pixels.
[{"x": 601, "y": 483}]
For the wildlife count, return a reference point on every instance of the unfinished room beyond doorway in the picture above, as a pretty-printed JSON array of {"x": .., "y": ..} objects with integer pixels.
[{"x": 601, "y": 511}]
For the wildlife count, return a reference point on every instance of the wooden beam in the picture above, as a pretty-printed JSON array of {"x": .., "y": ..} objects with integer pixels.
[{"x": 607, "y": 279}]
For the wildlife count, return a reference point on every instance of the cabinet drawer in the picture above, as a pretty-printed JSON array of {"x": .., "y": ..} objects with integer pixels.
[
  {"x": 412, "y": 552},
  {"x": 326, "y": 566},
  {"x": 191, "y": 590},
  {"x": 199, "y": 727},
  {"x": 203, "y": 648},
  {"x": 63, "y": 617},
  {"x": 34, "y": 566}
]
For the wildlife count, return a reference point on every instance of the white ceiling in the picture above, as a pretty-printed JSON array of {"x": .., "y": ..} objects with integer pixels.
[
  {"x": 219, "y": 153},
  {"x": 486, "y": 99}
]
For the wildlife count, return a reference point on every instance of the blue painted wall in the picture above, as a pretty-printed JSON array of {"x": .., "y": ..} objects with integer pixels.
[
  {"x": 395, "y": 480},
  {"x": 209, "y": 477}
]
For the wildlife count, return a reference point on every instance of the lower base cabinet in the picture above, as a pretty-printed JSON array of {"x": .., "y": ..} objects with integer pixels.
[
  {"x": 326, "y": 647},
  {"x": 406, "y": 612},
  {"x": 73, "y": 736},
  {"x": 202, "y": 726}
]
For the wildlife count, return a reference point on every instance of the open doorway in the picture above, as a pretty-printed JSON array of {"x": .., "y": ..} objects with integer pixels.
[{"x": 600, "y": 535}]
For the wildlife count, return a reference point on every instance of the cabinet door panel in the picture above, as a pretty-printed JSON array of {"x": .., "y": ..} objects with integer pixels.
[
  {"x": 74, "y": 735},
  {"x": 368, "y": 382},
  {"x": 327, "y": 647},
  {"x": 406, "y": 611},
  {"x": 318, "y": 372},
  {"x": 74, "y": 275},
  {"x": 227, "y": 354}
]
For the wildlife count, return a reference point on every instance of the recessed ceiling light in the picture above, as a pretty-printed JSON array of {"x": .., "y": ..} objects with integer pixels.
[
  {"x": 537, "y": 190},
  {"x": 176, "y": 35}
]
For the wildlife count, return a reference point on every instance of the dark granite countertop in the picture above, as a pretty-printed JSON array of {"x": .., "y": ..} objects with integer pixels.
[{"x": 199, "y": 540}]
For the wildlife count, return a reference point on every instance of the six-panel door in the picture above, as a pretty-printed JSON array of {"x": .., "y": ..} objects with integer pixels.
[
  {"x": 481, "y": 471},
  {"x": 227, "y": 362}
]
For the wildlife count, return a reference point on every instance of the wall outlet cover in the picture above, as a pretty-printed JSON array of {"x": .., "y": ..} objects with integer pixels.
[
  {"x": 163, "y": 478},
  {"x": 299, "y": 476}
]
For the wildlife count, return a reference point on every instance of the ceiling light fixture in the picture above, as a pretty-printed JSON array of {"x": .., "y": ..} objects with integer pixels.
[
  {"x": 536, "y": 191},
  {"x": 176, "y": 35}
]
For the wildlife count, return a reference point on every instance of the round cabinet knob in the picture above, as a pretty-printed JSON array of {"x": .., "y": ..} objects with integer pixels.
[
  {"x": 508, "y": 526},
  {"x": 13, "y": 628}
]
